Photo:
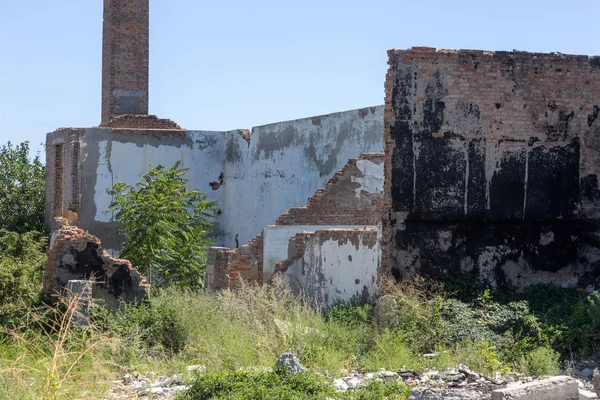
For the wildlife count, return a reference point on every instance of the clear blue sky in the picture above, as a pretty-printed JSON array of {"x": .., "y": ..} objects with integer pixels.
[{"x": 219, "y": 65}]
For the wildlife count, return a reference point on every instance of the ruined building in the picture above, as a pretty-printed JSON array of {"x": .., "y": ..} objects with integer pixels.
[
  {"x": 481, "y": 166},
  {"x": 492, "y": 162}
]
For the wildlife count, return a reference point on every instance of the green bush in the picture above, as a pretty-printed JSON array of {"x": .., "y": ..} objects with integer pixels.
[
  {"x": 268, "y": 385},
  {"x": 378, "y": 390},
  {"x": 167, "y": 226},
  {"x": 541, "y": 361},
  {"x": 21, "y": 259},
  {"x": 22, "y": 189}
]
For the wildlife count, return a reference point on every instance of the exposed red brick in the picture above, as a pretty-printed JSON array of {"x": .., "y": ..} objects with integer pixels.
[
  {"x": 137, "y": 121},
  {"x": 125, "y": 58}
]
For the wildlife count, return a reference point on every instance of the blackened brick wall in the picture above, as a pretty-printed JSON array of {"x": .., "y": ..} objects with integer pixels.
[{"x": 492, "y": 166}]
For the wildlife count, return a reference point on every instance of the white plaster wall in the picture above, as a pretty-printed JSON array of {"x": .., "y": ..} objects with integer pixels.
[
  {"x": 281, "y": 166},
  {"x": 330, "y": 272},
  {"x": 276, "y": 239},
  {"x": 107, "y": 159},
  {"x": 285, "y": 163},
  {"x": 372, "y": 180}
]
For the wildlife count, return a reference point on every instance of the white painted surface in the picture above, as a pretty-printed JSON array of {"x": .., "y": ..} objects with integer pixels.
[
  {"x": 372, "y": 180},
  {"x": 108, "y": 158},
  {"x": 330, "y": 272},
  {"x": 276, "y": 240},
  {"x": 285, "y": 163},
  {"x": 280, "y": 168}
]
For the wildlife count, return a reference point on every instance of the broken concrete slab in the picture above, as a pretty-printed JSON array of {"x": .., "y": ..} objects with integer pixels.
[
  {"x": 554, "y": 388},
  {"x": 586, "y": 395}
]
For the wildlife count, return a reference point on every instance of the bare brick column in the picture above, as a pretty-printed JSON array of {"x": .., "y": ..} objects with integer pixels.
[{"x": 125, "y": 54}]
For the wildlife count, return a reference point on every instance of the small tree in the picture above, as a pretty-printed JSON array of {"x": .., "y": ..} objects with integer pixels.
[
  {"x": 166, "y": 226},
  {"x": 22, "y": 189}
]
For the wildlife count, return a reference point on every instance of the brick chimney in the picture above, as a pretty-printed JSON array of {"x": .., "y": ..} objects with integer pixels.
[{"x": 125, "y": 54}]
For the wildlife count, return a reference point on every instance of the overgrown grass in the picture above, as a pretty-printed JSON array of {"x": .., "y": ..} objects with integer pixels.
[
  {"x": 50, "y": 359},
  {"x": 277, "y": 384},
  {"x": 245, "y": 331}
]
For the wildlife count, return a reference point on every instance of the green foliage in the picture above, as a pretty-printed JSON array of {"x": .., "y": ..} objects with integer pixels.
[
  {"x": 268, "y": 385},
  {"x": 22, "y": 189},
  {"x": 21, "y": 260},
  {"x": 166, "y": 225},
  {"x": 390, "y": 351},
  {"x": 156, "y": 323},
  {"x": 541, "y": 361},
  {"x": 378, "y": 390}
]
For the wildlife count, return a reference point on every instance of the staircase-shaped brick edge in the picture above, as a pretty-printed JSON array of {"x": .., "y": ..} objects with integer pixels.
[
  {"x": 319, "y": 211},
  {"x": 232, "y": 266}
]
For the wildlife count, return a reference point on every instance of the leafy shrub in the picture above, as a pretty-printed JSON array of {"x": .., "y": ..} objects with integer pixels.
[
  {"x": 269, "y": 385},
  {"x": 21, "y": 260},
  {"x": 156, "y": 323},
  {"x": 22, "y": 189},
  {"x": 541, "y": 361},
  {"x": 167, "y": 226},
  {"x": 378, "y": 390}
]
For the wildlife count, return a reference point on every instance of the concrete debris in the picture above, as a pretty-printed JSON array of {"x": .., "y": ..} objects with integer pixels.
[
  {"x": 290, "y": 362},
  {"x": 151, "y": 386},
  {"x": 554, "y": 388},
  {"x": 586, "y": 394}
]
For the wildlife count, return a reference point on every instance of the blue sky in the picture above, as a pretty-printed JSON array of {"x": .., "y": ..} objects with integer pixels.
[{"x": 236, "y": 64}]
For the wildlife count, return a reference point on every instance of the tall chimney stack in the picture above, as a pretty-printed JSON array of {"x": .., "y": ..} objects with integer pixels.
[{"x": 125, "y": 56}]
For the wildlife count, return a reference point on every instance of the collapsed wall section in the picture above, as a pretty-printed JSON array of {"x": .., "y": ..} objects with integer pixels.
[
  {"x": 352, "y": 198},
  {"x": 77, "y": 255},
  {"x": 492, "y": 165},
  {"x": 254, "y": 176},
  {"x": 333, "y": 265}
]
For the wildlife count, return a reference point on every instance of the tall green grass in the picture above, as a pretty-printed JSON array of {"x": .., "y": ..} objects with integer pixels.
[{"x": 248, "y": 329}]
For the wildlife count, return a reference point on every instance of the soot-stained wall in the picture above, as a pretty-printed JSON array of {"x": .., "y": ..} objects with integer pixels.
[{"x": 492, "y": 165}]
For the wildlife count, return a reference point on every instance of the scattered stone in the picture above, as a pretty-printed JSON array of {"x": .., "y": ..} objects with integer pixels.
[
  {"x": 196, "y": 368},
  {"x": 596, "y": 381},
  {"x": 340, "y": 385},
  {"x": 450, "y": 394},
  {"x": 353, "y": 383},
  {"x": 586, "y": 395},
  {"x": 290, "y": 362},
  {"x": 555, "y": 388}
]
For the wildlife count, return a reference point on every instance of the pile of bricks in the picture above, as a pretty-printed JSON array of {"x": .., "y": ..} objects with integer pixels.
[
  {"x": 76, "y": 255},
  {"x": 140, "y": 121}
]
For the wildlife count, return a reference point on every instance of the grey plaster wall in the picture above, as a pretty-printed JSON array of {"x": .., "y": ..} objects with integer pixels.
[
  {"x": 283, "y": 164},
  {"x": 253, "y": 178}
]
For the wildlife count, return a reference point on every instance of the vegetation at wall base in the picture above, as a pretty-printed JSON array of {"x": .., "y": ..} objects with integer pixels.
[
  {"x": 243, "y": 332},
  {"x": 167, "y": 226}
]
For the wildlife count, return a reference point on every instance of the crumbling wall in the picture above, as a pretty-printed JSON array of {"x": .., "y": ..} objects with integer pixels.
[
  {"x": 76, "y": 255},
  {"x": 333, "y": 265},
  {"x": 492, "y": 165},
  {"x": 254, "y": 176},
  {"x": 63, "y": 175},
  {"x": 352, "y": 198},
  {"x": 283, "y": 164}
]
